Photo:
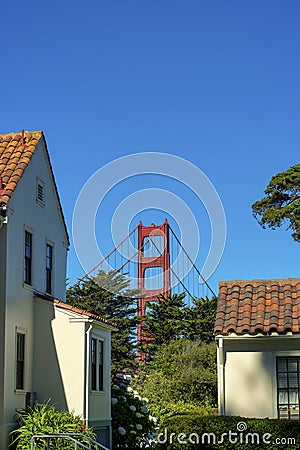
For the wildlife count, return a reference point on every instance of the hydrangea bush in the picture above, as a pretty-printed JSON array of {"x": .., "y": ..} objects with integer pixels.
[{"x": 131, "y": 424}]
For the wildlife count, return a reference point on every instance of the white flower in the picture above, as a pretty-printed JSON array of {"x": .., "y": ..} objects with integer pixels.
[
  {"x": 138, "y": 426},
  {"x": 132, "y": 408},
  {"x": 114, "y": 400},
  {"x": 154, "y": 419},
  {"x": 146, "y": 400},
  {"x": 135, "y": 392},
  {"x": 138, "y": 397},
  {"x": 121, "y": 431},
  {"x": 129, "y": 389},
  {"x": 144, "y": 409}
]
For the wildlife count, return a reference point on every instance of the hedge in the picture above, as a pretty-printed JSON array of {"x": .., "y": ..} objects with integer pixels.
[{"x": 191, "y": 431}]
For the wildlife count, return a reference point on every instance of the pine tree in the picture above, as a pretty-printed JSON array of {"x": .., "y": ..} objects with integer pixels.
[
  {"x": 281, "y": 203},
  {"x": 164, "y": 322},
  {"x": 201, "y": 319}
]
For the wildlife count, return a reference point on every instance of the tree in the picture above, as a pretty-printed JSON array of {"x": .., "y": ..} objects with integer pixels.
[
  {"x": 201, "y": 319},
  {"x": 182, "y": 371},
  {"x": 171, "y": 318},
  {"x": 281, "y": 203},
  {"x": 108, "y": 295},
  {"x": 164, "y": 322}
]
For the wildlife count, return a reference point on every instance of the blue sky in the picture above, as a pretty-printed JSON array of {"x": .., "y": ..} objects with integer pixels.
[{"x": 216, "y": 83}]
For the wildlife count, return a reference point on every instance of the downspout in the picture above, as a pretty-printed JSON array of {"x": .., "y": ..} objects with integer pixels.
[
  {"x": 221, "y": 377},
  {"x": 87, "y": 375}
]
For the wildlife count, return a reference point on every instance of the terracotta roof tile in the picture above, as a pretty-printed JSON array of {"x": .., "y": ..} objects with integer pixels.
[
  {"x": 258, "y": 306},
  {"x": 15, "y": 155},
  {"x": 16, "y": 150}
]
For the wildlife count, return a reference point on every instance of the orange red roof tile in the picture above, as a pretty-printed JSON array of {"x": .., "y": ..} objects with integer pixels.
[
  {"x": 258, "y": 306},
  {"x": 16, "y": 150}
]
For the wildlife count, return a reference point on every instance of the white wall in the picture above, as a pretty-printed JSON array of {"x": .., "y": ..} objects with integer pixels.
[
  {"x": 60, "y": 363},
  {"x": 59, "y": 357},
  {"x": 45, "y": 223},
  {"x": 249, "y": 388}
]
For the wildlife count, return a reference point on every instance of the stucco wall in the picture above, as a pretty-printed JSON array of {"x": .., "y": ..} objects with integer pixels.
[
  {"x": 59, "y": 360},
  {"x": 249, "y": 385},
  {"x": 45, "y": 224},
  {"x": 62, "y": 363}
]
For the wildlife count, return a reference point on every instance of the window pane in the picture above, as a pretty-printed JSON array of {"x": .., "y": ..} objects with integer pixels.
[
  {"x": 20, "y": 361},
  {"x": 282, "y": 380},
  {"x": 292, "y": 364},
  {"x": 49, "y": 252},
  {"x": 27, "y": 257},
  {"x": 293, "y": 394},
  {"x": 283, "y": 398},
  {"x": 281, "y": 364},
  {"x": 93, "y": 364},
  {"x": 293, "y": 379},
  {"x": 100, "y": 364}
]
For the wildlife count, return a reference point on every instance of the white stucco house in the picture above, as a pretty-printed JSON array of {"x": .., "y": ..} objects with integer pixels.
[
  {"x": 258, "y": 335},
  {"x": 46, "y": 346}
]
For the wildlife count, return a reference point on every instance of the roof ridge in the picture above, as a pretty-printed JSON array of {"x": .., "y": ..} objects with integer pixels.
[{"x": 258, "y": 280}]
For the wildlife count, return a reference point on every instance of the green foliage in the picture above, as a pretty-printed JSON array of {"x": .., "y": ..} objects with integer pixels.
[
  {"x": 45, "y": 419},
  {"x": 164, "y": 322},
  {"x": 171, "y": 319},
  {"x": 183, "y": 408},
  {"x": 131, "y": 425},
  {"x": 108, "y": 296},
  {"x": 199, "y": 425},
  {"x": 201, "y": 319},
  {"x": 281, "y": 203},
  {"x": 182, "y": 371}
]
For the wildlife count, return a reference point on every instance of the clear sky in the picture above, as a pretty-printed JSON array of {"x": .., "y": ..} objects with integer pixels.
[{"x": 215, "y": 82}]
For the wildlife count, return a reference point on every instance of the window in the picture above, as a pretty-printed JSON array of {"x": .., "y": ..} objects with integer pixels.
[
  {"x": 49, "y": 263},
  {"x": 288, "y": 387},
  {"x": 28, "y": 258},
  {"x": 20, "y": 361},
  {"x": 40, "y": 196},
  {"x": 96, "y": 365}
]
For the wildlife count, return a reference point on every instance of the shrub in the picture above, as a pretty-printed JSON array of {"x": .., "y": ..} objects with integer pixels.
[
  {"x": 44, "y": 419},
  {"x": 193, "y": 425},
  {"x": 182, "y": 408},
  {"x": 182, "y": 371},
  {"x": 131, "y": 425}
]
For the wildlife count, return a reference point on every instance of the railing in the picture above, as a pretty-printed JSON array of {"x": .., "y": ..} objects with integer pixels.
[{"x": 71, "y": 437}]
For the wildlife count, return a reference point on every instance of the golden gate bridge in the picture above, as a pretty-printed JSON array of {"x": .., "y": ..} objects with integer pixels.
[{"x": 154, "y": 262}]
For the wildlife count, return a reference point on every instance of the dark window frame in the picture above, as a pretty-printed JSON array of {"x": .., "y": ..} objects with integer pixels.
[
  {"x": 49, "y": 268},
  {"x": 97, "y": 364},
  {"x": 28, "y": 257},
  {"x": 288, "y": 391},
  {"x": 20, "y": 360}
]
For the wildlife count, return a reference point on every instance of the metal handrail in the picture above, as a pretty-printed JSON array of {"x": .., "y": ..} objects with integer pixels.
[{"x": 71, "y": 437}]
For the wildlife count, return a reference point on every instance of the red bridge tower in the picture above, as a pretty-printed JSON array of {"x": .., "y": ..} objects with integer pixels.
[{"x": 160, "y": 258}]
